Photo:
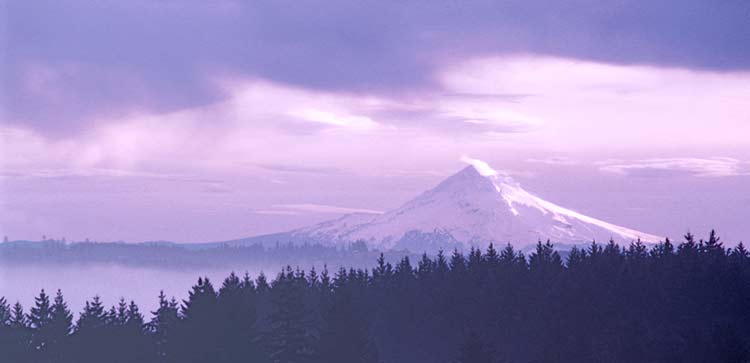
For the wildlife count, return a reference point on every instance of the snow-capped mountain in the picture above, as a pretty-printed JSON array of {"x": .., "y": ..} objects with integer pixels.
[
  {"x": 473, "y": 207},
  {"x": 476, "y": 206}
]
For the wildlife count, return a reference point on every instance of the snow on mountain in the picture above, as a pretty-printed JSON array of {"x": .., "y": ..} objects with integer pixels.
[{"x": 476, "y": 206}]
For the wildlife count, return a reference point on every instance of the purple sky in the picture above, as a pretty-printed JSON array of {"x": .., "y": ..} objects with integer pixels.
[{"x": 195, "y": 121}]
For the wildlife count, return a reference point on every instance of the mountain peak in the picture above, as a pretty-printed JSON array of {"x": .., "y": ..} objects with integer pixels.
[
  {"x": 468, "y": 179},
  {"x": 468, "y": 173}
]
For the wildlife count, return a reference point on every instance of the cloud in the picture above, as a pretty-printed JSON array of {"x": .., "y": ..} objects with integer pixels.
[
  {"x": 264, "y": 126},
  {"x": 70, "y": 63},
  {"x": 587, "y": 106},
  {"x": 353, "y": 122},
  {"x": 299, "y": 169},
  {"x": 701, "y": 167},
  {"x": 490, "y": 115},
  {"x": 258, "y": 126},
  {"x": 553, "y": 160},
  {"x": 321, "y": 208},
  {"x": 217, "y": 188},
  {"x": 482, "y": 167},
  {"x": 452, "y": 114},
  {"x": 274, "y": 212}
]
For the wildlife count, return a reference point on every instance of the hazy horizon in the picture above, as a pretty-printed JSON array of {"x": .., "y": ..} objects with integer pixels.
[{"x": 708, "y": 203}]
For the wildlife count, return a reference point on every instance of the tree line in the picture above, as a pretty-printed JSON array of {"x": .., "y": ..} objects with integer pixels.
[
  {"x": 685, "y": 302},
  {"x": 187, "y": 256}
]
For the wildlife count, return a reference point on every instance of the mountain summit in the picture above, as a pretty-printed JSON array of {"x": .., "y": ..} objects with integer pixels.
[{"x": 476, "y": 206}]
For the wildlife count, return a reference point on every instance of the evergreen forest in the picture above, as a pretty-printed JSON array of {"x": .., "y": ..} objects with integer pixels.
[{"x": 670, "y": 302}]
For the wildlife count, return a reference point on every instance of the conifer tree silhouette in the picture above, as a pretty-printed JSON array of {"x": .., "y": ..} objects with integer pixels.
[
  {"x": 60, "y": 327},
  {"x": 18, "y": 346},
  {"x": 164, "y": 326}
]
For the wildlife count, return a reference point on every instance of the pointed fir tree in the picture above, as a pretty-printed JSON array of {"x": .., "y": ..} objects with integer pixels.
[
  {"x": 491, "y": 257},
  {"x": 18, "y": 317},
  {"x": 424, "y": 267},
  {"x": 545, "y": 259},
  {"x": 261, "y": 283},
  {"x": 612, "y": 251},
  {"x": 508, "y": 255},
  {"x": 93, "y": 317},
  {"x": 458, "y": 262},
  {"x": 663, "y": 250},
  {"x": 594, "y": 250},
  {"x": 60, "y": 327},
  {"x": 200, "y": 332},
  {"x": 441, "y": 265},
  {"x": 313, "y": 279},
  {"x": 61, "y": 317},
  {"x": 247, "y": 283},
  {"x": 164, "y": 327},
  {"x": 576, "y": 257},
  {"x": 201, "y": 302},
  {"x": 714, "y": 248},
  {"x": 325, "y": 280},
  {"x": 134, "y": 319},
  {"x": 17, "y": 342},
  {"x": 404, "y": 272},
  {"x": 740, "y": 254},
  {"x": 383, "y": 271},
  {"x": 7, "y": 336},
  {"x": 637, "y": 251},
  {"x": 40, "y": 316},
  {"x": 119, "y": 314},
  {"x": 474, "y": 262},
  {"x": 111, "y": 316},
  {"x": 688, "y": 249}
]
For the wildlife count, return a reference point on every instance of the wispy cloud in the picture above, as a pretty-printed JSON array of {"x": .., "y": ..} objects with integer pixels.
[
  {"x": 553, "y": 160},
  {"x": 481, "y": 166},
  {"x": 701, "y": 167},
  {"x": 274, "y": 212},
  {"x": 352, "y": 122},
  {"x": 321, "y": 208},
  {"x": 217, "y": 188},
  {"x": 485, "y": 169},
  {"x": 299, "y": 169}
]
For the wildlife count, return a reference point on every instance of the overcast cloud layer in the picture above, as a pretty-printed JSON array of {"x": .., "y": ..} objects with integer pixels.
[
  {"x": 211, "y": 120},
  {"x": 93, "y": 58}
]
